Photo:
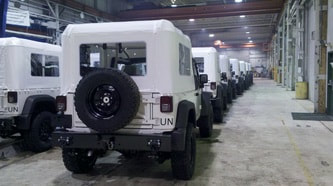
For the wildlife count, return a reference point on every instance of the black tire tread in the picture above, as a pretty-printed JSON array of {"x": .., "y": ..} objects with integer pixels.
[
  {"x": 76, "y": 163},
  {"x": 180, "y": 167},
  {"x": 31, "y": 137},
  {"x": 133, "y": 103}
]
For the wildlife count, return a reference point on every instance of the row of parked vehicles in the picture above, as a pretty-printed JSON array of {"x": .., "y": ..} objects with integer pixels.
[{"x": 133, "y": 87}]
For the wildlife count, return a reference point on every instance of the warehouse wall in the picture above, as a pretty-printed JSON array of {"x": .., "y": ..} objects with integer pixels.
[
  {"x": 330, "y": 25},
  {"x": 255, "y": 56},
  {"x": 310, "y": 50}
]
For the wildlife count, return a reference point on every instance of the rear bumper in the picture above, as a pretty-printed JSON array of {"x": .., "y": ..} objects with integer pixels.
[{"x": 161, "y": 142}]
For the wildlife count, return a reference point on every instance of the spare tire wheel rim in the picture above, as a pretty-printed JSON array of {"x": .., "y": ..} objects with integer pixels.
[{"x": 104, "y": 101}]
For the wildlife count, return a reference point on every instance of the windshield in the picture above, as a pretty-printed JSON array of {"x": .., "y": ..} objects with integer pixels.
[{"x": 127, "y": 57}]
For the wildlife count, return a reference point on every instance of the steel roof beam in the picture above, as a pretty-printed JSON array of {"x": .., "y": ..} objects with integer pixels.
[{"x": 208, "y": 11}]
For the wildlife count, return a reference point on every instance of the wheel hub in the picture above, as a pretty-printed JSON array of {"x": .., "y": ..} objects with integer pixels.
[{"x": 104, "y": 101}]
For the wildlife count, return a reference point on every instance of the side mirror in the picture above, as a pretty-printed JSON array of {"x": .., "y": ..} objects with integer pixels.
[
  {"x": 224, "y": 75},
  {"x": 203, "y": 80}
]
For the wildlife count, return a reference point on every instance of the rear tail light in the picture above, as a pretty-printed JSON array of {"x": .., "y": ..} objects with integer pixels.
[
  {"x": 166, "y": 104},
  {"x": 213, "y": 85},
  {"x": 61, "y": 102},
  {"x": 12, "y": 97}
]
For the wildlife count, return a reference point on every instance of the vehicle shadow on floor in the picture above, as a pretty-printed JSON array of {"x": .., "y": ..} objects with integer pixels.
[{"x": 118, "y": 170}]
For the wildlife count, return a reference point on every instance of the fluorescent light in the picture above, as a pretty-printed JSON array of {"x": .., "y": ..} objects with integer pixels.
[
  {"x": 251, "y": 41},
  {"x": 203, "y": 29},
  {"x": 249, "y": 37},
  {"x": 191, "y": 20},
  {"x": 246, "y": 27},
  {"x": 238, "y": 1},
  {"x": 223, "y": 43},
  {"x": 211, "y": 35},
  {"x": 242, "y": 16},
  {"x": 173, "y": 6},
  {"x": 247, "y": 32}
]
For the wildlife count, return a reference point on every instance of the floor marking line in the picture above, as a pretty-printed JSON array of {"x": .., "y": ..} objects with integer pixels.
[
  {"x": 306, "y": 170},
  {"x": 326, "y": 126}
]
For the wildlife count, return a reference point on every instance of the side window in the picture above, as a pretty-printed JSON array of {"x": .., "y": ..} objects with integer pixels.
[
  {"x": 128, "y": 57},
  {"x": 200, "y": 64},
  {"x": 44, "y": 65},
  {"x": 196, "y": 74},
  {"x": 184, "y": 60},
  {"x": 36, "y": 65},
  {"x": 51, "y": 68}
]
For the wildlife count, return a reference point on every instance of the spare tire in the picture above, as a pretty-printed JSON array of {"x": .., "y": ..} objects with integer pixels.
[{"x": 106, "y": 100}]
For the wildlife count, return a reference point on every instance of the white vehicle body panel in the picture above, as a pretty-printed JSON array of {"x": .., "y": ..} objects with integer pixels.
[
  {"x": 235, "y": 66},
  {"x": 15, "y": 73},
  {"x": 242, "y": 66},
  {"x": 225, "y": 65},
  {"x": 162, "y": 79},
  {"x": 211, "y": 65}
]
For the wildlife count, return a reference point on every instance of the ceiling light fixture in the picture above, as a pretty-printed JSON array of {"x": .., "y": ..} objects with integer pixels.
[
  {"x": 247, "y": 32},
  {"x": 251, "y": 41},
  {"x": 238, "y": 1},
  {"x": 191, "y": 20},
  {"x": 211, "y": 35},
  {"x": 242, "y": 16},
  {"x": 249, "y": 38},
  {"x": 173, "y": 6}
]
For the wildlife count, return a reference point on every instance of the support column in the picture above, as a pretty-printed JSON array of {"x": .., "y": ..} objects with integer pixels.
[
  {"x": 3, "y": 16},
  {"x": 321, "y": 55}
]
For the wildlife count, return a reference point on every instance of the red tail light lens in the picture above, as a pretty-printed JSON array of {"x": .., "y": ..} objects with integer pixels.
[
  {"x": 61, "y": 102},
  {"x": 12, "y": 97},
  {"x": 213, "y": 85},
  {"x": 166, "y": 104}
]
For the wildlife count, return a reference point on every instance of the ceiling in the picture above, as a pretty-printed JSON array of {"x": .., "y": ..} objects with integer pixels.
[{"x": 218, "y": 17}]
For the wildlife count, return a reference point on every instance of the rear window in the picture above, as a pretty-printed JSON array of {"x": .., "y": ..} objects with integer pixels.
[
  {"x": 128, "y": 57},
  {"x": 44, "y": 65},
  {"x": 200, "y": 64}
]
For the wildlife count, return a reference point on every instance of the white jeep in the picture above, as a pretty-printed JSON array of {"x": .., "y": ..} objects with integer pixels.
[
  {"x": 208, "y": 63},
  {"x": 130, "y": 87},
  {"x": 236, "y": 76},
  {"x": 29, "y": 83},
  {"x": 226, "y": 78}
]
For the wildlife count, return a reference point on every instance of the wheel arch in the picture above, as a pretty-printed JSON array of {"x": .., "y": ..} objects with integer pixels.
[
  {"x": 185, "y": 114},
  {"x": 34, "y": 105}
]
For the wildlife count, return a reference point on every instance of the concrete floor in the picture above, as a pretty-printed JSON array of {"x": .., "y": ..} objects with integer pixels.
[{"x": 259, "y": 144}]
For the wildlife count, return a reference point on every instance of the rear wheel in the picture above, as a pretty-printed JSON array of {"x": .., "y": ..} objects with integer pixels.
[
  {"x": 38, "y": 138},
  {"x": 183, "y": 162},
  {"x": 218, "y": 115},
  {"x": 79, "y": 160},
  {"x": 206, "y": 126}
]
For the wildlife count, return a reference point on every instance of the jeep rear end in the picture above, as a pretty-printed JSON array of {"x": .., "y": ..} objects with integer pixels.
[{"x": 126, "y": 95}]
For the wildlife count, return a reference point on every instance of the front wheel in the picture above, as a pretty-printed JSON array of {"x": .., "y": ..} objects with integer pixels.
[
  {"x": 79, "y": 160},
  {"x": 183, "y": 162},
  {"x": 38, "y": 138}
]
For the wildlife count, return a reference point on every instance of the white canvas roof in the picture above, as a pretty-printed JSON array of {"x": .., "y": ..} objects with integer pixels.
[
  {"x": 15, "y": 56},
  {"x": 225, "y": 65},
  {"x": 235, "y": 66},
  {"x": 13, "y": 41},
  {"x": 242, "y": 66},
  {"x": 211, "y": 62},
  {"x": 130, "y": 27}
]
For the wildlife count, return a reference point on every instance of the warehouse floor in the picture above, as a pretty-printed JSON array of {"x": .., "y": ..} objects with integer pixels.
[{"x": 259, "y": 144}]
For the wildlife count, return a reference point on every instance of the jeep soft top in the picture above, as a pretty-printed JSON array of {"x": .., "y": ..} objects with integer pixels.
[{"x": 130, "y": 87}]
